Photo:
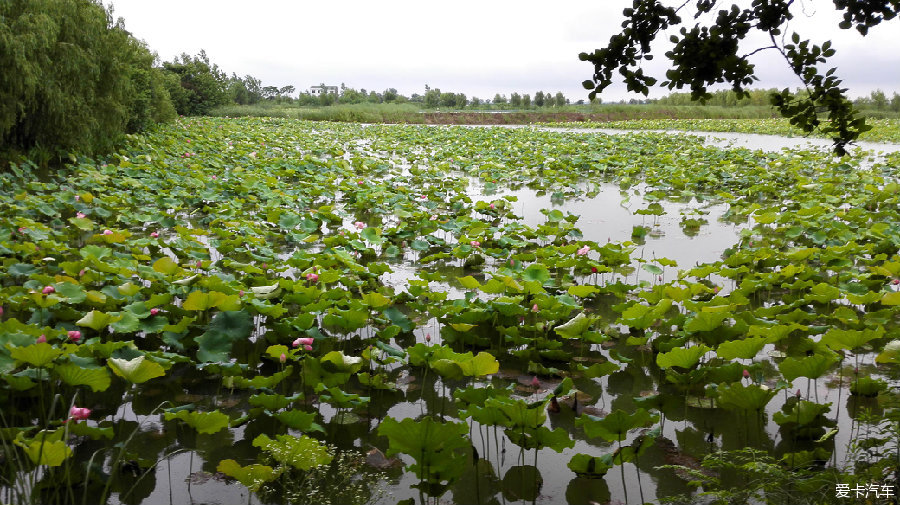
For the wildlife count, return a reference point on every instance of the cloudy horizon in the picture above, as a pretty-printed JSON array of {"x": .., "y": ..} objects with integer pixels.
[{"x": 477, "y": 48}]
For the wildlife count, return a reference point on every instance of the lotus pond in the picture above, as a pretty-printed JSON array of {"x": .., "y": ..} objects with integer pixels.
[{"x": 273, "y": 311}]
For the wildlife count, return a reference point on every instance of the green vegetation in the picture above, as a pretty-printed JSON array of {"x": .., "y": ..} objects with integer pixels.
[
  {"x": 710, "y": 54},
  {"x": 284, "y": 299},
  {"x": 72, "y": 81}
]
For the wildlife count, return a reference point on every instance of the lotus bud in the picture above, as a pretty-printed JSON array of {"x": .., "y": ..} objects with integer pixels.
[
  {"x": 895, "y": 282},
  {"x": 48, "y": 289},
  {"x": 241, "y": 293},
  {"x": 154, "y": 311},
  {"x": 282, "y": 358},
  {"x": 428, "y": 337},
  {"x": 535, "y": 308},
  {"x": 199, "y": 264},
  {"x": 492, "y": 206},
  {"x": 74, "y": 336},
  {"x": 312, "y": 277},
  {"x": 593, "y": 270},
  {"x": 107, "y": 232},
  {"x": 359, "y": 225},
  {"x": 307, "y": 347},
  {"x": 746, "y": 374},
  {"x": 80, "y": 413},
  {"x": 535, "y": 383},
  {"x": 41, "y": 339},
  {"x": 80, "y": 215},
  {"x": 797, "y": 394},
  {"x": 154, "y": 234}
]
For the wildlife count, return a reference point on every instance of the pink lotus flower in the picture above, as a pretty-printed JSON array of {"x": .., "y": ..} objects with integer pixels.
[
  {"x": 535, "y": 308},
  {"x": 282, "y": 358},
  {"x": 512, "y": 263},
  {"x": 359, "y": 224},
  {"x": 433, "y": 218},
  {"x": 77, "y": 198},
  {"x": 74, "y": 336},
  {"x": 22, "y": 230},
  {"x": 307, "y": 347},
  {"x": 107, "y": 232},
  {"x": 583, "y": 251},
  {"x": 241, "y": 293},
  {"x": 428, "y": 337},
  {"x": 475, "y": 243},
  {"x": 359, "y": 183},
  {"x": 188, "y": 141},
  {"x": 746, "y": 374},
  {"x": 423, "y": 197},
  {"x": 312, "y": 277},
  {"x": 1, "y": 311},
  {"x": 492, "y": 206},
  {"x": 265, "y": 266},
  {"x": 593, "y": 270},
  {"x": 797, "y": 394},
  {"x": 81, "y": 272},
  {"x": 154, "y": 311},
  {"x": 303, "y": 341},
  {"x": 214, "y": 177},
  {"x": 80, "y": 215},
  {"x": 154, "y": 234},
  {"x": 41, "y": 339},
  {"x": 895, "y": 282},
  {"x": 199, "y": 264},
  {"x": 535, "y": 383},
  {"x": 80, "y": 413},
  {"x": 48, "y": 289}
]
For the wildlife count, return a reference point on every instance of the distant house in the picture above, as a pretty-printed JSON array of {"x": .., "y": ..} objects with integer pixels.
[{"x": 323, "y": 89}]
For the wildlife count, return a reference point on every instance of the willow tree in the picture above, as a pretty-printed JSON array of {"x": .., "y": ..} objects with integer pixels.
[{"x": 72, "y": 80}]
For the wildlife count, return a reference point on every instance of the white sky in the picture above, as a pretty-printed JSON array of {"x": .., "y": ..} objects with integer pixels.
[{"x": 476, "y": 47}]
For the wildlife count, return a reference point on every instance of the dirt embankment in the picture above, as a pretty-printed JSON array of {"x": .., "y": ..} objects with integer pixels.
[{"x": 516, "y": 117}]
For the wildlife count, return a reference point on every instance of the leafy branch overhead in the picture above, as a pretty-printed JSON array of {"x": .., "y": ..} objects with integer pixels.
[{"x": 709, "y": 54}]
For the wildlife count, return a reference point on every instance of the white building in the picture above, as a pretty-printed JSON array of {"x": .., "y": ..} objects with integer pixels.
[{"x": 323, "y": 89}]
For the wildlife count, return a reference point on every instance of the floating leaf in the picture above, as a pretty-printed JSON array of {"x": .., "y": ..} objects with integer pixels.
[
  {"x": 251, "y": 476},
  {"x": 303, "y": 453},
  {"x": 137, "y": 370},
  {"x": 204, "y": 422}
]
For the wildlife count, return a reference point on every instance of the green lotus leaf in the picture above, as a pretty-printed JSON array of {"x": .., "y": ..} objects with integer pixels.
[
  {"x": 128, "y": 289},
  {"x": 806, "y": 459},
  {"x": 536, "y": 273},
  {"x": 37, "y": 355},
  {"x": 616, "y": 425},
  {"x": 737, "y": 396},
  {"x": 891, "y": 298},
  {"x": 97, "y": 320},
  {"x": 447, "y": 369},
  {"x": 540, "y": 438},
  {"x": 97, "y": 378},
  {"x": 641, "y": 316},
  {"x": 575, "y": 327},
  {"x": 583, "y": 291},
  {"x": 801, "y": 413},
  {"x": 705, "y": 321},
  {"x": 683, "y": 357},
  {"x": 890, "y": 353},
  {"x": 205, "y": 423},
  {"x": 137, "y": 370},
  {"x": 303, "y": 453},
  {"x": 224, "y": 329},
  {"x": 599, "y": 369},
  {"x": 746, "y": 348},
  {"x": 252, "y": 476},
  {"x": 73, "y": 293},
  {"x": 50, "y": 453},
  {"x": 434, "y": 445},
  {"x": 267, "y": 292},
  {"x": 520, "y": 414},
  {"x": 375, "y": 300},
  {"x": 299, "y": 420},
  {"x": 336, "y": 361},
  {"x": 166, "y": 266},
  {"x": 462, "y": 327},
  {"x": 94, "y": 432},
  {"x": 199, "y": 301},
  {"x": 271, "y": 402},
  {"x": 850, "y": 339},
  {"x": 469, "y": 282},
  {"x": 393, "y": 351},
  {"x": 480, "y": 365},
  {"x": 591, "y": 466},
  {"x": 187, "y": 281},
  {"x": 262, "y": 381},
  {"x": 811, "y": 367}
]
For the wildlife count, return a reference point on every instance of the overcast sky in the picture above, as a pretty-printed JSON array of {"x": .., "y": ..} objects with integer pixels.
[{"x": 475, "y": 47}]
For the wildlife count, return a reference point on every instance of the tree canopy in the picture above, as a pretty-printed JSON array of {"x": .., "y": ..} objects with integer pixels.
[
  {"x": 72, "y": 80},
  {"x": 710, "y": 53}
]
